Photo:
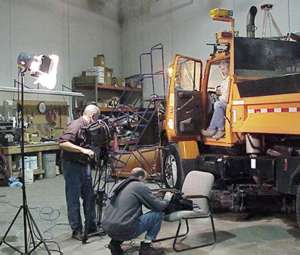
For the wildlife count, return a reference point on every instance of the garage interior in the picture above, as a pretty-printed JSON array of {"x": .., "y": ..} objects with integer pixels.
[{"x": 151, "y": 67}]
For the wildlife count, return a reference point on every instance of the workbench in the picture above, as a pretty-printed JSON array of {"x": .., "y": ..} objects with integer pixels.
[{"x": 36, "y": 148}]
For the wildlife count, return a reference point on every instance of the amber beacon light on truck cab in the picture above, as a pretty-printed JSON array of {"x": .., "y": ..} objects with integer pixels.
[{"x": 257, "y": 161}]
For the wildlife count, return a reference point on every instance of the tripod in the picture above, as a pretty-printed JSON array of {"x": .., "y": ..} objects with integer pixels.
[
  {"x": 35, "y": 237},
  {"x": 268, "y": 19},
  {"x": 100, "y": 191}
]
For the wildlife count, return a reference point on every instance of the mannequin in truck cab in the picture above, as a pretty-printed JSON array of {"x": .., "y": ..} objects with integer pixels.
[{"x": 216, "y": 128}]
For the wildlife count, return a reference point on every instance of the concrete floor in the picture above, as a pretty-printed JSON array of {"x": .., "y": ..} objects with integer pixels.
[{"x": 264, "y": 236}]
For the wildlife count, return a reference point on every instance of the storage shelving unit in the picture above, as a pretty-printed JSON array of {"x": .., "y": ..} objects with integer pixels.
[{"x": 96, "y": 92}]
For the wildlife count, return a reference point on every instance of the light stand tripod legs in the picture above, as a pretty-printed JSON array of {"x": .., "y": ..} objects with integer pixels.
[
  {"x": 38, "y": 235},
  {"x": 3, "y": 240},
  {"x": 34, "y": 233},
  {"x": 28, "y": 220}
]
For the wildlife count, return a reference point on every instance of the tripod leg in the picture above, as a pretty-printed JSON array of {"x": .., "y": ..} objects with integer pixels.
[
  {"x": 39, "y": 237},
  {"x": 88, "y": 204},
  {"x": 10, "y": 226},
  {"x": 31, "y": 231}
]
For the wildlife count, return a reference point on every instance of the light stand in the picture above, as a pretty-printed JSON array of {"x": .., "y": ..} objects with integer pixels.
[
  {"x": 32, "y": 235},
  {"x": 29, "y": 224}
]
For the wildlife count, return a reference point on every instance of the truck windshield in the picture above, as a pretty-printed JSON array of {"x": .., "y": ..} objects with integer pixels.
[{"x": 215, "y": 77}]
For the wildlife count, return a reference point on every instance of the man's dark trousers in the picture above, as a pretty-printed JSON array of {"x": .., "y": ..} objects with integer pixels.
[{"x": 78, "y": 183}]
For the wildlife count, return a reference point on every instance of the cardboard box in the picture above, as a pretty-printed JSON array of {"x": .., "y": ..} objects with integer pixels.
[
  {"x": 100, "y": 79},
  {"x": 94, "y": 71},
  {"x": 84, "y": 80},
  {"x": 99, "y": 60}
]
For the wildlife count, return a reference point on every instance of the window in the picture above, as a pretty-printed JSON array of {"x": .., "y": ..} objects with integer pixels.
[
  {"x": 215, "y": 77},
  {"x": 188, "y": 74}
]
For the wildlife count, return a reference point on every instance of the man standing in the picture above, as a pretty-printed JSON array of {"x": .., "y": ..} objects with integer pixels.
[
  {"x": 216, "y": 127},
  {"x": 78, "y": 179},
  {"x": 123, "y": 218}
]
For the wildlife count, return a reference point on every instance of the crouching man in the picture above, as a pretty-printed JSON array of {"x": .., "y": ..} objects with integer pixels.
[{"x": 123, "y": 218}]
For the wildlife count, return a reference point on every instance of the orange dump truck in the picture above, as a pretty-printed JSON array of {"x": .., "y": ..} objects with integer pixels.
[{"x": 258, "y": 160}]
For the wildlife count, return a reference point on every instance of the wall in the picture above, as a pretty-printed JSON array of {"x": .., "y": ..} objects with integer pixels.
[
  {"x": 184, "y": 26},
  {"x": 76, "y": 30}
]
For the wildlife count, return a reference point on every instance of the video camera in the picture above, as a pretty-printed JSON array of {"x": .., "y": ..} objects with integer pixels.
[{"x": 97, "y": 137}]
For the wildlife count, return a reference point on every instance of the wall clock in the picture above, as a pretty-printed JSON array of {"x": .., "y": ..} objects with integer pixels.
[{"x": 42, "y": 107}]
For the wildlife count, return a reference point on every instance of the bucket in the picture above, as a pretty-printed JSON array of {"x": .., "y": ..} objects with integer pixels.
[
  {"x": 28, "y": 175},
  {"x": 33, "y": 162},
  {"x": 99, "y": 70},
  {"x": 28, "y": 170},
  {"x": 49, "y": 164}
]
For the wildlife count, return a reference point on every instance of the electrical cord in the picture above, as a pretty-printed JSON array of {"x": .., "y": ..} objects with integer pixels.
[
  {"x": 50, "y": 215},
  {"x": 47, "y": 241},
  {"x": 47, "y": 214}
]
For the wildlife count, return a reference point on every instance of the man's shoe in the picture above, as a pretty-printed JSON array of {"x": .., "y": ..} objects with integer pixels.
[
  {"x": 208, "y": 132},
  {"x": 77, "y": 235},
  {"x": 147, "y": 249},
  {"x": 219, "y": 134},
  {"x": 115, "y": 247},
  {"x": 92, "y": 230}
]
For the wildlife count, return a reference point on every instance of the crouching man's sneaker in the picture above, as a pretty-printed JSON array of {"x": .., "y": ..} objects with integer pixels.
[
  {"x": 147, "y": 249},
  {"x": 115, "y": 247},
  {"x": 208, "y": 132},
  {"x": 219, "y": 134}
]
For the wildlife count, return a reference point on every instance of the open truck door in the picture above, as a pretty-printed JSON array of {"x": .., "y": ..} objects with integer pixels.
[{"x": 184, "y": 114}]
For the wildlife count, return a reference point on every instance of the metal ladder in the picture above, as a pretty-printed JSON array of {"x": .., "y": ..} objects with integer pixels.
[{"x": 154, "y": 109}]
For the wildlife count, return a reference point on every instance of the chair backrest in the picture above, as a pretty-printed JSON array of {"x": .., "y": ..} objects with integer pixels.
[{"x": 198, "y": 183}]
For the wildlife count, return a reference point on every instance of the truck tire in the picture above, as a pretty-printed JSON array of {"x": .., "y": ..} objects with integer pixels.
[
  {"x": 298, "y": 206},
  {"x": 172, "y": 170}
]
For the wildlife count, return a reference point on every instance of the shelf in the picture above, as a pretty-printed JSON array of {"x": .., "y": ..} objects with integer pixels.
[
  {"x": 103, "y": 92},
  {"x": 108, "y": 109},
  {"x": 105, "y": 86},
  {"x": 109, "y": 87},
  {"x": 42, "y": 92}
]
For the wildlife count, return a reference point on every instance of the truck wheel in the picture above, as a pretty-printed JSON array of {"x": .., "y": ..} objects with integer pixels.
[
  {"x": 172, "y": 171},
  {"x": 298, "y": 205}
]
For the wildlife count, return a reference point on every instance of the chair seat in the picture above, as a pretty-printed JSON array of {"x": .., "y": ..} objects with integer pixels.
[{"x": 175, "y": 216}]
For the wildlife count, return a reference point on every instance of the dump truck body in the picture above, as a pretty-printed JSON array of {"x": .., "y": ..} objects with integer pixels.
[{"x": 265, "y": 94}]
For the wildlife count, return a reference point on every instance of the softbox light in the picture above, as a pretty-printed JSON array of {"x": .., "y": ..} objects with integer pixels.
[{"x": 43, "y": 68}]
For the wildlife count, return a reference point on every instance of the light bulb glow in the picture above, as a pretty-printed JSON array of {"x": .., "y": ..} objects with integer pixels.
[{"x": 48, "y": 79}]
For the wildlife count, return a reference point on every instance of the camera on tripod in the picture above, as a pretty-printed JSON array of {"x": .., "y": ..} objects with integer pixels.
[{"x": 97, "y": 137}]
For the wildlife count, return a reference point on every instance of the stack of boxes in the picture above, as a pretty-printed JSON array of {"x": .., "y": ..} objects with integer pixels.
[
  {"x": 97, "y": 74},
  {"x": 30, "y": 164},
  {"x": 99, "y": 66},
  {"x": 104, "y": 74}
]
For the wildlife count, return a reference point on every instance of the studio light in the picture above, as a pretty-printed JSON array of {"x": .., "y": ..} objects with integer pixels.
[{"x": 43, "y": 68}]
